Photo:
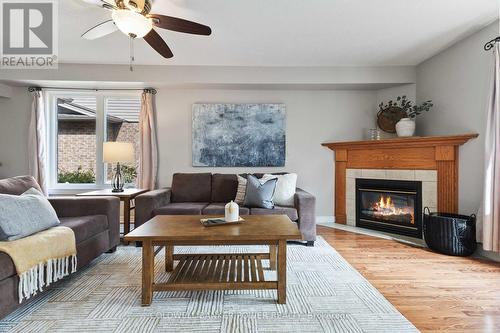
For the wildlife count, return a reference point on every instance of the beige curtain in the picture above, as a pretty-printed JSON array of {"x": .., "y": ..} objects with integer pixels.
[
  {"x": 37, "y": 140},
  {"x": 148, "y": 147},
  {"x": 491, "y": 204}
]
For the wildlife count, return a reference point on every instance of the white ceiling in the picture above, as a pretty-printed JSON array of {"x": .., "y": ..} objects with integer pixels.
[{"x": 286, "y": 32}]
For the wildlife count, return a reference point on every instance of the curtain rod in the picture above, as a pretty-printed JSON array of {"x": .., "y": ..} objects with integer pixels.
[
  {"x": 148, "y": 90},
  {"x": 488, "y": 46}
]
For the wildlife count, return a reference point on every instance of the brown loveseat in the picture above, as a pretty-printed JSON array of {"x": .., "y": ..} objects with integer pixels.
[
  {"x": 94, "y": 220},
  {"x": 207, "y": 194}
]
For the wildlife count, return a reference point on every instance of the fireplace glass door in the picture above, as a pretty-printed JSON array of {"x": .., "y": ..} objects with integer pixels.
[{"x": 389, "y": 205}]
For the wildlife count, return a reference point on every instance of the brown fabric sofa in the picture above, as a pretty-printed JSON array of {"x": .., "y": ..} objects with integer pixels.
[
  {"x": 94, "y": 220},
  {"x": 207, "y": 194}
]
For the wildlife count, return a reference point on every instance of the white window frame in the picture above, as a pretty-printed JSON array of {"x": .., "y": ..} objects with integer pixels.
[{"x": 101, "y": 96}]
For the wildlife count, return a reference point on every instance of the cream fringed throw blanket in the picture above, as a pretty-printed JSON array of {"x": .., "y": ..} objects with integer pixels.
[{"x": 42, "y": 258}]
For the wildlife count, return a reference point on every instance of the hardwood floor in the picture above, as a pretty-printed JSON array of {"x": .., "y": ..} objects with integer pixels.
[{"x": 435, "y": 292}]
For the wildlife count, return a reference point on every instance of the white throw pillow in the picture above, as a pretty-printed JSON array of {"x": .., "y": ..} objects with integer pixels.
[{"x": 285, "y": 188}]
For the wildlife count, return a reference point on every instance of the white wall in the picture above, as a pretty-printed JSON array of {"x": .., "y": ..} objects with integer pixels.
[
  {"x": 457, "y": 80},
  {"x": 14, "y": 120},
  {"x": 313, "y": 117},
  {"x": 5, "y": 91},
  {"x": 217, "y": 77},
  {"x": 387, "y": 94}
]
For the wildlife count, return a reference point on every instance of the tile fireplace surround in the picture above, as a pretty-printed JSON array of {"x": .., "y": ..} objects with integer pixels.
[
  {"x": 427, "y": 177},
  {"x": 433, "y": 160}
]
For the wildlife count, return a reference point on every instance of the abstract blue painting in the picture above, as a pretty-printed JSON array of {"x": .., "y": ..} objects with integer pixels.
[{"x": 239, "y": 135}]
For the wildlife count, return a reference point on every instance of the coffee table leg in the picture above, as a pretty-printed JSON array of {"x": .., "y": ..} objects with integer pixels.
[
  {"x": 169, "y": 257},
  {"x": 147, "y": 272},
  {"x": 272, "y": 256},
  {"x": 282, "y": 272}
]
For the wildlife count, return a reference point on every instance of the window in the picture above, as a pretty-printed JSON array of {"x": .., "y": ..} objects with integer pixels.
[
  {"x": 79, "y": 124},
  {"x": 122, "y": 124}
]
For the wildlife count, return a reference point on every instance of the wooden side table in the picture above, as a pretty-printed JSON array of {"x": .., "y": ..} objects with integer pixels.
[{"x": 126, "y": 196}]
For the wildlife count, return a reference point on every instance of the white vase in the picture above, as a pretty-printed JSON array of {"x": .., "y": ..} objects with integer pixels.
[
  {"x": 232, "y": 212},
  {"x": 405, "y": 127}
]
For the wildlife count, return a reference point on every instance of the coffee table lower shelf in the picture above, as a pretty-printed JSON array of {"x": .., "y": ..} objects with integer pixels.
[
  {"x": 214, "y": 271},
  {"x": 217, "y": 272}
]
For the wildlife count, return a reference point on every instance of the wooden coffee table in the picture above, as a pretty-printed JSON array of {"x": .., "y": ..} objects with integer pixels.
[{"x": 232, "y": 271}]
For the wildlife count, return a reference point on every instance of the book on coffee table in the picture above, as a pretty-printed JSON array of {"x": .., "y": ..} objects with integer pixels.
[{"x": 212, "y": 222}]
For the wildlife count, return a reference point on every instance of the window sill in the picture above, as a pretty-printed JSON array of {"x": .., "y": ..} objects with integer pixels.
[{"x": 75, "y": 189}]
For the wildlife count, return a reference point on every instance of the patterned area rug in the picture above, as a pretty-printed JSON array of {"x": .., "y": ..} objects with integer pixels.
[{"x": 324, "y": 294}]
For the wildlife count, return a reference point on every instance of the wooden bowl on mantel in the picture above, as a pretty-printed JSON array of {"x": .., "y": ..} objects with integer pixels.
[{"x": 388, "y": 118}]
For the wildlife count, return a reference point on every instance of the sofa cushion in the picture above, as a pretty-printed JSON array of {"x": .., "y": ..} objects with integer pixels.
[
  {"x": 85, "y": 227},
  {"x": 191, "y": 187},
  {"x": 7, "y": 267},
  {"x": 181, "y": 208},
  {"x": 224, "y": 187},
  {"x": 219, "y": 209},
  {"x": 18, "y": 185},
  {"x": 278, "y": 210}
]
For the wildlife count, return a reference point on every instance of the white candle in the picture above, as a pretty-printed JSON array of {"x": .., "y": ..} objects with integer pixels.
[{"x": 232, "y": 212}]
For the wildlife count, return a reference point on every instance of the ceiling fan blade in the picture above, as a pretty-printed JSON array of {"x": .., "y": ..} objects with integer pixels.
[
  {"x": 100, "y": 30},
  {"x": 157, "y": 43},
  {"x": 180, "y": 25}
]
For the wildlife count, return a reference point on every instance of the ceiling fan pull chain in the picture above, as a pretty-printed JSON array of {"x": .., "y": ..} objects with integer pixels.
[{"x": 132, "y": 57}]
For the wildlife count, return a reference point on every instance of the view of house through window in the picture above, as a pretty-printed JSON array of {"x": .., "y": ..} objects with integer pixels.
[
  {"x": 79, "y": 120},
  {"x": 76, "y": 140}
]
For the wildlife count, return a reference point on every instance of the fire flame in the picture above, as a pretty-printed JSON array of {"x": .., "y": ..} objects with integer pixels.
[{"x": 385, "y": 207}]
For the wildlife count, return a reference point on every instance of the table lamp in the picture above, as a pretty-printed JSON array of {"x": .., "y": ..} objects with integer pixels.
[{"x": 118, "y": 152}]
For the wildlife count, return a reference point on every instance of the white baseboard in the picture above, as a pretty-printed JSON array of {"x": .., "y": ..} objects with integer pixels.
[
  {"x": 378, "y": 234},
  {"x": 325, "y": 219}
]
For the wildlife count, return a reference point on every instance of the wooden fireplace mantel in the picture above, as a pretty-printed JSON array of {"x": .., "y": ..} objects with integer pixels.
[{"x": 438, "y": 153}]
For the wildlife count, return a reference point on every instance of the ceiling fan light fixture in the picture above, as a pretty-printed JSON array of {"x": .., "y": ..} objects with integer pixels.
[
  {"x": 140, "y": 6},
  {"x": 132, "y": 23}
]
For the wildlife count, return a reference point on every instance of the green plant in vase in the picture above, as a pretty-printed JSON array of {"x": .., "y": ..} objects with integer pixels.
[{"x": 406, "y": 125}]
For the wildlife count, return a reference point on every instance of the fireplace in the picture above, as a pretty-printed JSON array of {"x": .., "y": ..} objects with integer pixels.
[{"x": 389, "y": 205}]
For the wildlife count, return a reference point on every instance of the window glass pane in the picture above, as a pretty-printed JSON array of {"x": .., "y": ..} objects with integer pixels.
[
  {"x": 76, "y": 139},
  {"x": 122, "y": 125}
]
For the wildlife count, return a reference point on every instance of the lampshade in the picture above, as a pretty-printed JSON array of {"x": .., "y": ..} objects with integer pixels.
[
  {"x": 132, "y": 23},
  {"x": 114, "y": 152}
]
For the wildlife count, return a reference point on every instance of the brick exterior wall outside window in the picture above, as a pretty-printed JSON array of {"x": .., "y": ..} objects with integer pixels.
[{"x": 76, "y": 143}]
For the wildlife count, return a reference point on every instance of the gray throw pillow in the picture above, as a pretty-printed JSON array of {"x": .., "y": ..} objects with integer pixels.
[
  {"x": 3, "y": 235},
  {"x": 25, "y": 214},
  {"x": 260, "y": 195}
]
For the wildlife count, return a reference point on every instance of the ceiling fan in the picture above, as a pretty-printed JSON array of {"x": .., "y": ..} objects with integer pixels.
[{"x": 134, "y": 18}]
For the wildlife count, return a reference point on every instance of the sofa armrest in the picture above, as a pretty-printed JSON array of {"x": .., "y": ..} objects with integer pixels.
[
  {"x": 305, "y": 203},
  {"x": 147, "y": 202},
  {"x": 84, "y": 206}
]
